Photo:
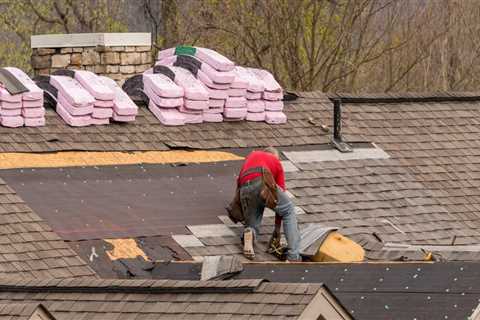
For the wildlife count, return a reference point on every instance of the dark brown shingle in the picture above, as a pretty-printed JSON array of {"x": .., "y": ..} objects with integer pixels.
[
  {"x": 147, "y": 133},
  {"x": 29, "y": 247}
]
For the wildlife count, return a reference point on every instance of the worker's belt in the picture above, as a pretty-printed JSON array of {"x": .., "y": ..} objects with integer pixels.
[
  {"x": 269, "y": 187},
  {"x": 252, "y": 171}
]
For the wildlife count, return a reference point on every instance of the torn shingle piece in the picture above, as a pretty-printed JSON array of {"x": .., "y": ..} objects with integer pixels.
[
  {"x": 187, "y": 240},
  {"x": 201, "y": 231}
]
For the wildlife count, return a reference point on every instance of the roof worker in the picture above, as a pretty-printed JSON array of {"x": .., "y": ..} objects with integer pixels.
[{"x": 261, "y": 183}]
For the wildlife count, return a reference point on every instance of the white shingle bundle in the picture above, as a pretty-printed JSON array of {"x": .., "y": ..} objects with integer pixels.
[{"x": 25, "y": 108}]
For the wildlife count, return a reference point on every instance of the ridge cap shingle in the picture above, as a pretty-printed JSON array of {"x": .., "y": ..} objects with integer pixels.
[{"x": 92, "y": 285}]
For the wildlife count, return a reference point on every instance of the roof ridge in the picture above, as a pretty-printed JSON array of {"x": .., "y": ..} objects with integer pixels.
[
  {"x": 436, "y": 96},
  {"x": 128, "y": 286}
]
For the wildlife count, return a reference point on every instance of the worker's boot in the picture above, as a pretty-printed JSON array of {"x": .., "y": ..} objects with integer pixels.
[{"x": 248, "y": 238}]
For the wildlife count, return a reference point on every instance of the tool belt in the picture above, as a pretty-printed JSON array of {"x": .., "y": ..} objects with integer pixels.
[{"x": 268, "y": 194}]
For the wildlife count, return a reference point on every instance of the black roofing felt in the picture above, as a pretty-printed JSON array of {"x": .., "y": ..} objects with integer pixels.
[
  {"x": 126, "y": 201},
  {"x": 375, "y": 290},
  {"x": 390, "y": 291}
]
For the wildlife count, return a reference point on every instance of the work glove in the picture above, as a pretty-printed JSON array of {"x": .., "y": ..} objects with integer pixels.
[{"x": 275, "y": 247}]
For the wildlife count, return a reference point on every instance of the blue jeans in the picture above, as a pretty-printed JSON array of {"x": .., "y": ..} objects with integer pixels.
[{"x": 253, "y": 207}]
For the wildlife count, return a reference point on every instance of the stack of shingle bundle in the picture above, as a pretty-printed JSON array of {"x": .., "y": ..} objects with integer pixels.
[
  {"x": 235, "y": 92},
  {"x": 272, "y": 96},
  {"x": 11, "y": 109},
  {"x": 103, "y": 106},
  {"x": 124, "y": 109},
  {"x": 217, "y": 79},
  {"x": 74, "y": 104},
  {"x": 253, "y": 94},
  {"x": 25, "y": 106},
  {"x": 165, "y": 97},
  {"x": 83, "y": 98},
  {"x": 195, "y": 95},
  {"x": 33, "y": 111}
]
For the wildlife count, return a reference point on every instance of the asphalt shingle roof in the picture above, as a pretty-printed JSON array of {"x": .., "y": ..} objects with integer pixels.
[
  {"x": 162, "y": 299},
  {"x": 427, "y": 192},
  {"x": 371, "y": 291},
  {"x": 147, "y": 133},
  {"x": 28, "y": 246},
  {"x": 21, "y": 311}
]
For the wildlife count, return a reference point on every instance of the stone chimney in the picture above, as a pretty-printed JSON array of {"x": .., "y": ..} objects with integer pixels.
[{"x": 116, "y": 55}]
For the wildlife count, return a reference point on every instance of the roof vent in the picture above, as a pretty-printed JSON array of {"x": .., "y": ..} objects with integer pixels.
[{"x": 337, "y": 139}]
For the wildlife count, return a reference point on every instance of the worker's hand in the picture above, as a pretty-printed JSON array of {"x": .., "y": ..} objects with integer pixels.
[
  {"x": 275, "y": 247},
  {"x": 274, "y": 242}
]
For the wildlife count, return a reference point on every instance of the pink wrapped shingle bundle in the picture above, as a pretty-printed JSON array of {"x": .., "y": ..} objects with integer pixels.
[
  {"x": 167, "y": 116},
  {"x": 124, "y": 109},
  {"x": 33, "y": 111},
  {"x": 272, "y": 96},
  {"x": 213, "y": 58},
  {"x": 253, "y": 93},
  {"x": 162, "y": 90},
  {"x": 195, "y": 94},
  {"x": 10, "y": 109},
  {"x": 275, "y": 117},
  {"x": 239, "y": 86},
  {"x": 165, "y": 97},
  {"x": 217, "y": 82},
  {"x": 103, "y": 94},
  {"x": 74, "y": 104},
  {"x": 235, "y": 108},
  {"x": 235, "y": 92}
]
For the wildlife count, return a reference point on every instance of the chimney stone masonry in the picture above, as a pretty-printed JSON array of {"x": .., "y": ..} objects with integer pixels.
[{"x": 115, "y": 55}]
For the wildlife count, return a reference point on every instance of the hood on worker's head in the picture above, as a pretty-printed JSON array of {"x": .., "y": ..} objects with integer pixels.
[{"x": 273, "y": 151}]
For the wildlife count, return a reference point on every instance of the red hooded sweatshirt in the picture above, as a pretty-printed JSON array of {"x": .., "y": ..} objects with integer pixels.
[{"x": 265, "y": 160}]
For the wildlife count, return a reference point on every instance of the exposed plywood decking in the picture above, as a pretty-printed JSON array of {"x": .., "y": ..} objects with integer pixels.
[
  {"x": 12, "y": 160},
  {"x": 91, "y": 40}
]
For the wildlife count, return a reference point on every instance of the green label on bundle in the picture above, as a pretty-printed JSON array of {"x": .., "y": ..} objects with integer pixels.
[{"x": 185, "y": 50}]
